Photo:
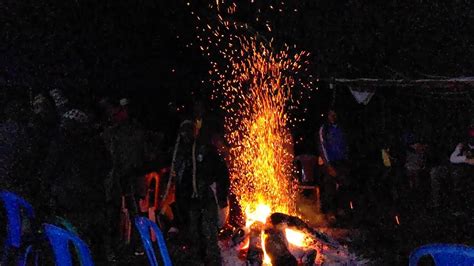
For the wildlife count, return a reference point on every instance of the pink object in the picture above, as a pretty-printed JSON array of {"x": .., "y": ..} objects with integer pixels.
[{"x": 120, "y": 115}]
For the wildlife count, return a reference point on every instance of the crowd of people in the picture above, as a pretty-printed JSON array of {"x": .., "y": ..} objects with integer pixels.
[
  {"x": 84, "y": 166},
  {"x": 409, "y": 169}
]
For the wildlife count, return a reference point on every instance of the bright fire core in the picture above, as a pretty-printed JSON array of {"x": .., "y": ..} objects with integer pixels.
[
  {"x": 255, "y": 84},
  {"x": 261, "y": 152},
  {"x": 257, "y": 129}
]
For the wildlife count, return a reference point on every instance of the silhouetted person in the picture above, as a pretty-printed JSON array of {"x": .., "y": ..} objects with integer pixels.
[
  {"x": 74, "y": 173},
  {"x": 334, "y": 152}
]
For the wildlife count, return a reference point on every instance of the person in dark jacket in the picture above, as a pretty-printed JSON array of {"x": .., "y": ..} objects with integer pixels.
[
  {"x": 74, "y": 173},
  {"x": 201, "y": 178},
  {"x": 42, "y": 127},
  {"x": 125, "y": 141}
]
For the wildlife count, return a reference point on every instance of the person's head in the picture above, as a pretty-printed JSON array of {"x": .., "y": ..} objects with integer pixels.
[
  {"x": 199, "y": 108},
  {"x": 122, "y": 114},
  {"x": 186, "y": 131},
  {"x": 332, "y": 117},
  {"x": 42, "y": 107},
  {"x": 44, "y": 114},
  {"x": 107, "y": 109},
  {"x": 74, "y": 120}
]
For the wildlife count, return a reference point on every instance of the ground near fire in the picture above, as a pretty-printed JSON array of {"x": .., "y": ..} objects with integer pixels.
[{"x": 251, "y": 132}]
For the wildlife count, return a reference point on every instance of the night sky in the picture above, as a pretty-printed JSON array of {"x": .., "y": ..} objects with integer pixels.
[{"x": 146, "y": 49}]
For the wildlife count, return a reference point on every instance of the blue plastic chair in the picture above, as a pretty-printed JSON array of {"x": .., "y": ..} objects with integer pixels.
[
  {"x": 13, "y": 205},
  {"x": 444, "y": 255},
  {"x": 23, "y": 261},
  {"x": 60, "y": 239},
  {"x": 144, "y": 226}
]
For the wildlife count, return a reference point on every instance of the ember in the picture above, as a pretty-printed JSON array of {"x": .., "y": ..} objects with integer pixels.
[
  {"x": 256, "y": 88},
  {"x": 258, "y": 133}
]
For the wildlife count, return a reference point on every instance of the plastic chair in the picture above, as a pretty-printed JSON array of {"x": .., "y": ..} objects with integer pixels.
[
  {"x": 23, "y": 261},
  {"x": 444, "y": 254},
  {"x": 59, "y": 240},
  {"x": 144, "y": 225},
  {"x": 307, "y": 168},
  {"x": 13, "y": 205},
  {"x": 151, "y": 201}
]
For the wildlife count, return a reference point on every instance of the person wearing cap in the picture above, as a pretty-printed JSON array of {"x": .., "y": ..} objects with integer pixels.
[
  {"x": 125, "y": 141},
  {"x": 121, "y": 114},
  {"x": 60, "y": 101}
]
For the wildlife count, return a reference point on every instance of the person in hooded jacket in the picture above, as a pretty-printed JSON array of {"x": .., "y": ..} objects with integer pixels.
[
  {"x": 201, "y": 180},
  {"x": 74, "y": 173}
]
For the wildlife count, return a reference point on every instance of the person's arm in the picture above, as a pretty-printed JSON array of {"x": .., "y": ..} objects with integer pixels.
[
  {"x": 456, "y": 157},
  {"x": 324, "y": 155},
  {"x": 322, "y": 141}
]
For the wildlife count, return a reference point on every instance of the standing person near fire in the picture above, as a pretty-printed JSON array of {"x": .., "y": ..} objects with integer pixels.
[
  {"x": 334, "y": 153},
  {"x": 201, "y": 179},
  {"x": 125, "y": 141}
]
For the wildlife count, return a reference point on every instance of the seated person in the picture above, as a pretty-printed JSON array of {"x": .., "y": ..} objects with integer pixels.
[
  {"x": 461, "y": 162},
  {"x": 462, "y": 159}
]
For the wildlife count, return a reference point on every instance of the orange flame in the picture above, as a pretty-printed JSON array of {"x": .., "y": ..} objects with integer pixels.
[
  {"x": 297, "y": 238},
  {"x": 255, "y": 86}
]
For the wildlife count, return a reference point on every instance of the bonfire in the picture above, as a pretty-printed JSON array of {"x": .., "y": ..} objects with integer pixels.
[{"x": 258, "y": 85}]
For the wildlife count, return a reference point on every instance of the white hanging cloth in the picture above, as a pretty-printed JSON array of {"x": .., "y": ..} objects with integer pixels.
[{"x": 362, "y": 96}]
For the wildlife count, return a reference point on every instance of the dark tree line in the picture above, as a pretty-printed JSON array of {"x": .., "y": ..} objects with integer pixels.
[{"x": 118, "y": 47}]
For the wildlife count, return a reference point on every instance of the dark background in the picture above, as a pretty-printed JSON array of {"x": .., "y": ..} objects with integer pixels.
[{"x": 146, "y": 50}]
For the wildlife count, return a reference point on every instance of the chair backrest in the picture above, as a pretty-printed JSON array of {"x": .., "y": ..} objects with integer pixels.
[
  {"x": 60, "y": 239},
  {"x": 152, "y": 178},
  {"x": 23, "y": 260},
  {"x": 144, "y": 226},
  {"x": 14, "y": 204},
  {"x": 308, "y": 164},
  {"x": 444, "y": 254}
]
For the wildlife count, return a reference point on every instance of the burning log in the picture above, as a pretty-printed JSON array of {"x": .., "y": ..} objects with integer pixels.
[
  {"x": 294, "y": 222},
  {"x": 280, "y": 218},
  {"x": 309, "y": 258},
  {"x": 255, "y": 252},
  {"x": 277, "y": 248},
  {"x": 238, "y": 237}
]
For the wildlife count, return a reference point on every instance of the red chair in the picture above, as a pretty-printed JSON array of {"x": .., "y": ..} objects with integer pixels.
[{"x": 151, "y": 202}]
